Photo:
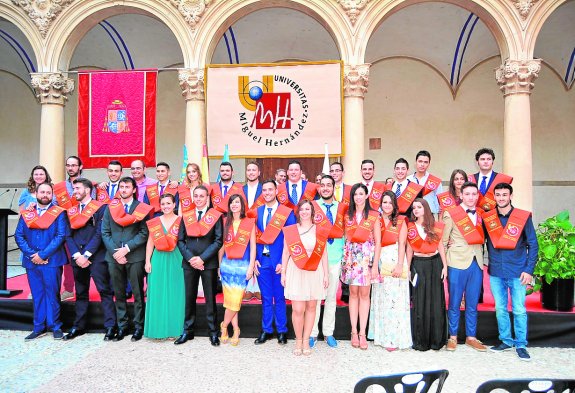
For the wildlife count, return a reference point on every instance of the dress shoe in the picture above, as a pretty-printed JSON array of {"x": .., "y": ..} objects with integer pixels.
[
  {"x": 110, "y": 334},
  {"x": 129, "y": 295},
  {"x": 183, "y": 338},
  {"x": 214, "y": 340},
  {"x": 258, "y": 295},
  {"x": 121, "y": 334},
  {"x": 35, "y": 335},
  {"x": 451, "y": 344},
  {"x": 282, "y": 338},
  {"x": 247, "y": 296},
  {"x": 137, "y": 336},
  {"x": 73, "y": 334},
  {"x": 57, "y": 334},
  {"x": 475, "y": 344},
  {"x": 263, "y": 338}
]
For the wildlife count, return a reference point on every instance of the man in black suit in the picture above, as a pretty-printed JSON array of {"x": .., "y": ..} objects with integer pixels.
[
  {"x": 87, "y": 251},
  {"x": 125, "y": 234},
  {"x": 199, "y": 247}
]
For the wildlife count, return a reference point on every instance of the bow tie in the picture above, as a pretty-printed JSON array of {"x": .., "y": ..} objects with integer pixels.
[{"x": 470, "y": 211}]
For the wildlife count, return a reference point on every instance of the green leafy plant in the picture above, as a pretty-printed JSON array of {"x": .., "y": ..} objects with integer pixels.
[{"x": 556, "y": 259}]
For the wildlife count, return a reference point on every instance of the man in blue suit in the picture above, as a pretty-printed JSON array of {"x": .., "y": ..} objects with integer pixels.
[
  {"x": 296, "y": 188},
  {"x": 88, "y": 255},
  {"x": 40, "y": 234},
  {"x": 272, "y": 217},
  {"x": 252, "y": 191}
]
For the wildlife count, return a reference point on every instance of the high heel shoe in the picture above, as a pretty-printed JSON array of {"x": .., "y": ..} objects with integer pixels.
[
  {"x": 354, "y": 340},
  {"x": 297, "y": 350},
  {"x": 224, "y": 333},
  {"x": 235, "y": 340},
  {"x": 306, "y": 351},
  {"x": 362, "y": 342}
]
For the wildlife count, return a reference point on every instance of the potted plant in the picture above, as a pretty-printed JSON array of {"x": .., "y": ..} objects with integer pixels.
[{"x": 555, "y": 269}]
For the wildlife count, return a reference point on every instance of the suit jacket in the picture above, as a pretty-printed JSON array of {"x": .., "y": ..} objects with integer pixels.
[
  {"x": 258, "y": 192},
  {"x": 135, "y": 236},
  {"x": 459, "y": 254},
  {"x": 478, "y": 179},
  {"x": 206, "y": 247},
  {"x": 276, "y": 249},
  {"x": 48, "y": 243},
  {"x": 89, "y": 238}
]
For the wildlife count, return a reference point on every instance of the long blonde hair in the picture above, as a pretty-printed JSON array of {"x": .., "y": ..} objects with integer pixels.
[{"x": 196, "y": 167}]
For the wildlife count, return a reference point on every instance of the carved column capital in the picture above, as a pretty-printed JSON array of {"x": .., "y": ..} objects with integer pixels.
[
  {"x": 355, "y": 80},
  {"x": 517, "y": 76},
  {"x": 42, "y": 12},
  {"x": 52, "y": 88},
  {"x": 192, "y": 83}
]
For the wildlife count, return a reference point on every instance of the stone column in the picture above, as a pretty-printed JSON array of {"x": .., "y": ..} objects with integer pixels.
[
  {"x": 515, "y": 79},
  {"x": 356, "y": 79},
  {"x": 52, "y": 91},
  {"x": 192, "y": 84}
]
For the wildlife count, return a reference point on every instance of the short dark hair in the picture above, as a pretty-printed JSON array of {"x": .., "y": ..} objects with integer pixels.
[
  {"x": 269, "y": 181},
  {"x": 85, "y": 182},
  {"x": 253, "y": 163},
  {"x": 45, "y": 183},
  {"x": 468, "y": 184},
  {"x": 227, "y": 163},
  {"x": 484, "y": 150},
  {"x": 115, "y": 162},
  {"x": 504, "y": 186},
  {"x": 168, "y": 195},
  {"x": 162, "y": 163},
  {"x": 330, "y": 178},
  {"x": 76, "y": 158},
  {"x": 130, "y": 180},
  {"x": 424, "y": 153},
  {"x": 295, "y": 162},
  {"x": 337, "y": 163},
  {"x": 202, "y": 187},
  {"x": 367, "y": 161},
  {"x": 401, "y": 161}
]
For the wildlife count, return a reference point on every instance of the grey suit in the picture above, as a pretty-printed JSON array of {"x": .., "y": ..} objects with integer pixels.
[{"x": 135, "y": 237}]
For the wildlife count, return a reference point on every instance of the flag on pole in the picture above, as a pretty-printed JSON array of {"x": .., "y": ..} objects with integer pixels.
[
  {"x": 205, "y": 166},
  {"x": 184, "y": 164},
  {"x": 325, "y": 169},
  {"x": 226, "y": 157}
]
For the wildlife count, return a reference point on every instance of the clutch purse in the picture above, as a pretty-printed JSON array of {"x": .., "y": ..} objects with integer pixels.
[{"x": 386, "y": 268}]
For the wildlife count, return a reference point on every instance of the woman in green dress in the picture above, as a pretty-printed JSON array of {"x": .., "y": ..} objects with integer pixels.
[{"x": 165, "y": 303}]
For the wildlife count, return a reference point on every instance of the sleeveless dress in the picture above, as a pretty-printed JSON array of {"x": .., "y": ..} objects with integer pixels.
[
  {"x": 165, "y": 302},
  {"x": 233, "y": 272},
  {"x": 304, "y": 285}
]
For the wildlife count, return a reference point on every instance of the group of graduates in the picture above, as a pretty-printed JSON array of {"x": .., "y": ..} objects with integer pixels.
[{"x": 298, "y": 238}]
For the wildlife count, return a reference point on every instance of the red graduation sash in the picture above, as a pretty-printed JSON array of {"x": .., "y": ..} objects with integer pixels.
[
  {"x": 446, "y": 200},
  {"x": 62, "y": 197},
  {"x": 431, "y": 184},
  {"x": 153, "y": 196},
  {"x": 408, "y": 196},
  {"x": 505, "y": 238},
  {"x": 252, "y": 212},
  {"x": 221, "y": 203},
  {"x": 390, "y": 233},
  {"x": 236, "y": 244},
  {"x": 124, "y": 219},
  {"x": 360, "y": 233},
  {"x": 487, "y": 201},
  {"x": 79, "y": 219},
  {"x": 424, "y": 246},
  {"x": 308, "y": 193},
  {"x": 377, "y": 191},
  {"x": 185, "y": 196},
  {"x": 33, "y": 221},
  {"x": 197, "y": 229},
  {"x": 102, "y": 195},
  {"x": 335, "y": 230},
  {"x": 164, "y": 241},
  {"x": 298, "y": 252},
  {"x": 473, "y": 234},
  {"x": 277, "y": 222}
]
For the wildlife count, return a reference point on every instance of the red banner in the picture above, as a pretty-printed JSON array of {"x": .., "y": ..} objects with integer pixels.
[{"x": 117, "y": 117}]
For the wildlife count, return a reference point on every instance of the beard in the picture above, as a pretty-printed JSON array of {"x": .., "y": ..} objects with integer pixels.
[{"x": 43, "y": 201}]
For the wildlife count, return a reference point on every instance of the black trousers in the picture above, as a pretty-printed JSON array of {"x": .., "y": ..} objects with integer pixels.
[
  {"x": 99, "y": 272},
  {"x": 134, "y": 273},
  {"x": 209, "y": 282}
]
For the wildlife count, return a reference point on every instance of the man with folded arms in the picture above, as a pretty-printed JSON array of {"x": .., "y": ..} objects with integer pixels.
[
  {"x": 40, "y": 234},
  {"x": 84, "y": 242},
  {"x": 463, "y": 238}
]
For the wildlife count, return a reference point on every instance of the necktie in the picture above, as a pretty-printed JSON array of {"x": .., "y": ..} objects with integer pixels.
[
  {"x": 126, "y": 207},
  {"x": 41, "y": 211},
  {"x": 483, "y": 186},
  {"x": 200, "y": 215},
  {"x": 268, "y": 217},
  {"x": 398, "y": 190},
  {"x": 112, "y": 189},
  {"x": 225, "y": 190},
  {"x": 329, "y": 217},
  {"x": 294, "y": 193},
  {"x": 338, "y": 193},
  {"x": 470, "y": 211},
  {"x": 82, "y": 206},
  {"x": 416, "y": 179},
  {"x": 162, "y": 190}
]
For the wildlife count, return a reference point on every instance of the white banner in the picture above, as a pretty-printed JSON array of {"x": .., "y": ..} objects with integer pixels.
[{"x": 275, "y": 110}]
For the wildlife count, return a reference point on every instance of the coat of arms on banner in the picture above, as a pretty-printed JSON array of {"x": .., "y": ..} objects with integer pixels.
[{"x": 116, "y": 118}]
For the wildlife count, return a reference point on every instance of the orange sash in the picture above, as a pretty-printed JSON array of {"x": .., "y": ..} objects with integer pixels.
[
  {"x": 221, "y": 203},
  {"x": 431, "y": 184},
  {"x": 360, "y": 233},
  {"x": 277, "y": 222},
  {"x": 298, "y": 252},
  {"x": 79, "y": 220},
  {"x": 124, "y": 219},
  {"x": 197, "y": 229},
  {"x": 408, "y": 196},
  {"x": 446, "y": 200},
  {"x": 62, "y": 197},
  {"x": 320, "y": 219},
  {"x": 164, "y": 241},
  {"x": 377, "y": 191},
  {"x": 473, "y": 234},
  {"x": 252, "y": 212},
  {"x": 505, "y": 238},
  {"x": 420, "y": 245},
  {"x": 308, "y": 193},
  {"x": 390, "y": 233},
  {"x": 153, "y": 196},
  {"x": 235, "y": 244},
  {"x": 102, "y": 195},
  {"x": 185, "y": 196},
  {"x": 487, "y": 201},
  {"x": 33, "y": 221}
]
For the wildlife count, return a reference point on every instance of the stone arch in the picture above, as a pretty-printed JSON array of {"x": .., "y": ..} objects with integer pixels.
[
  {"x": 17, "y": 17},
  {"x": 537, "y": 20},
  {"x": 225, "y": 13}
]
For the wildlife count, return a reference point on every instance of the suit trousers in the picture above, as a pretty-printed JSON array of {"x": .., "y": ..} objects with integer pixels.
[
  {"x": 329, "y": 306},
  {"x": 462, "y": 281},
  {"x": 45, "y": 287},
  {"x": 134, "y": 273},
  {"x": 99, "y": 272},
  {"x": 273, "y": 299},
  {"x": 209, "y": 283}
]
